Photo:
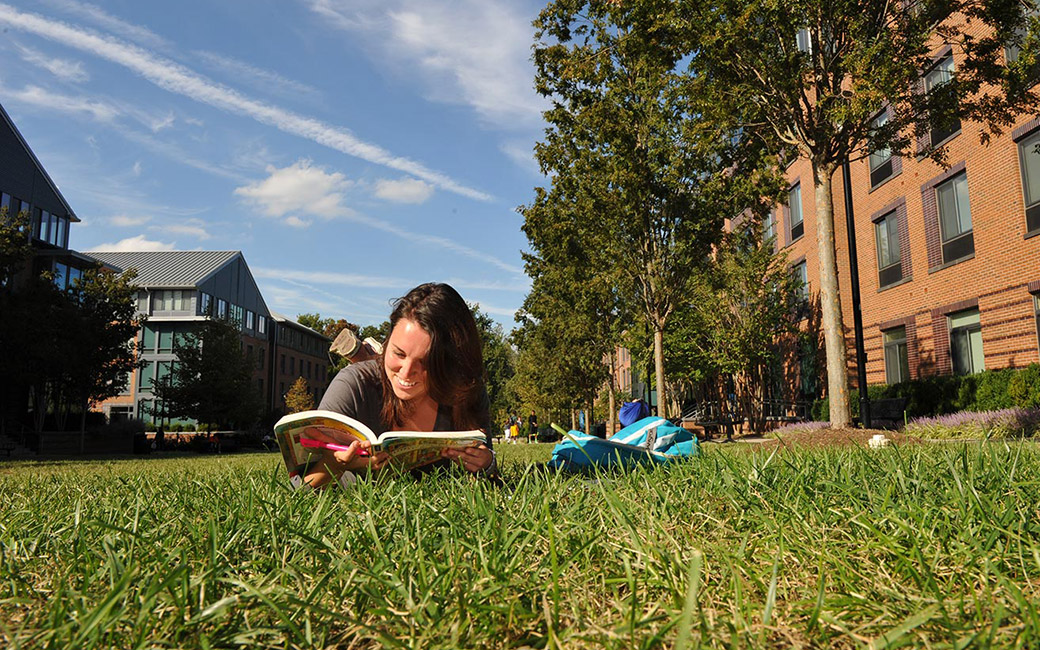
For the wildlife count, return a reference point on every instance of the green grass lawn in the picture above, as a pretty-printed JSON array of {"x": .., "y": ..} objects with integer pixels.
[{"x": 924, "y": 546}]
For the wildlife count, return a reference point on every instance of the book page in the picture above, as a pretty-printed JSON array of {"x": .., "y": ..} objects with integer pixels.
[
  {"x": 409, "y": 452},
  {"x": 308, "y": 465}
]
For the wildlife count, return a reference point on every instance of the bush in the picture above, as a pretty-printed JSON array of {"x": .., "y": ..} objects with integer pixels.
[
  {"x": 1006, "y": 423},
  {"x": 990, "y": 390},
  {"x": 1024, "y": 387}
]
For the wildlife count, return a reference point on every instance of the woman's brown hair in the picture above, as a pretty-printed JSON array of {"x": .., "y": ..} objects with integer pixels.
[{"x": 455, "y": 362}]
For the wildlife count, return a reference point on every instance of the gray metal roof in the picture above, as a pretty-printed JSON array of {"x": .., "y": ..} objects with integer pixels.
[
  {"x": 175, "y": 269},
  {"x": 285, "y": 320}
]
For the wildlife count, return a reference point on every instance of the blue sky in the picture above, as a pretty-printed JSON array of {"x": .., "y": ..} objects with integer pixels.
[{"x": 351, "y": 149}]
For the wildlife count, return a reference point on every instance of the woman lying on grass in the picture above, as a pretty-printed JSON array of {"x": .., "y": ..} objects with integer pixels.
[{"x": 430, "y": 377}]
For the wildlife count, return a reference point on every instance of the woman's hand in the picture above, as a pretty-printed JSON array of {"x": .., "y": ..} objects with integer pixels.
[
  {"x": 473, "y": 459},
  {"x": 357, "y": 458}
]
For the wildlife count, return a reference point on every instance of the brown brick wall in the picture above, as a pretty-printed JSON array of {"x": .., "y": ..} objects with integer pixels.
[{"x": 999, "y": 278}]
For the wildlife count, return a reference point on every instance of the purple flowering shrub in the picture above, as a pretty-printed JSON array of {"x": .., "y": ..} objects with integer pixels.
[
  {"x": 797, "y": 427},
  {"x": 1005, "y": 423}
]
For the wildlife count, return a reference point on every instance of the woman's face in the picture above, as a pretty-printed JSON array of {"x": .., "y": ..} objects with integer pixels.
[{"x": 405, "y": 360}]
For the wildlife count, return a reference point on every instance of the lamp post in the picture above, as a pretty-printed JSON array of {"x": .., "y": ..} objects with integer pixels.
[{"x": 857, "y": 316}]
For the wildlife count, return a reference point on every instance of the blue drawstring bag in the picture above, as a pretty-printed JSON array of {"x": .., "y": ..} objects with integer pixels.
[
  {"x": 632, "y": 412},
  {"x": 651, "y": 440}
]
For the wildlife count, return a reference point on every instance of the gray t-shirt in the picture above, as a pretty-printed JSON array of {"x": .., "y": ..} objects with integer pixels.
[{"x": 357, "y": 392}]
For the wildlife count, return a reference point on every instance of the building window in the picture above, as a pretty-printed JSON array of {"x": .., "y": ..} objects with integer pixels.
[
  {"x": 966, "y": 342},
  {"x": 145, "y": 375},
  {"x": 237, "y": 315},
  {"x": 75, "y": 275},
  {"x": 170, "y": 300},
  {"x": 1029, "y": 155},
  {"x": 1013, "y": 49},
  {"x": 250, "y": 321},
  {"x": 801, "y": 276},
  {"x": 148, "y": 339},
  {"x": 222, "y": 309},
  {"x": 803, "y": 40},
  {"x": 897, "y": 363},
  {"x": 800, "y": 299},
  {"x": 261, "y": 324},
  {"x": 1036, "y": 311},
  {"x": 205, "y": 304},
  {"x": 955, "y": 218},
  {"x": 794, "y": 211},
  {"x": 260, "y": 359},
  {"x": 881, "y": 164},
  {"x": 939, "y": 76},
  {"x": 283, "y": 364},
  {"x": 889, "y": 257},
  {"x": 292, "y": 366}
]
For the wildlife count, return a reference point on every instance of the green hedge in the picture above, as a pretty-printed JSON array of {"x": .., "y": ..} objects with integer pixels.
[{"x": 989, "y": 390}]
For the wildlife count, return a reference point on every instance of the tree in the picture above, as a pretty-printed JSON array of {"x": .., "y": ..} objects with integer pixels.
[
  {"x": 499, "y": 363},
  {"x": 817, "y": 79},
  {"x": 299, "y": 397},
  {"x": 100, "y": 337},
  {"x": 739, "y": 312},
  {"x": 647, "y": 195},
  {"x": 212, "y": 379}
]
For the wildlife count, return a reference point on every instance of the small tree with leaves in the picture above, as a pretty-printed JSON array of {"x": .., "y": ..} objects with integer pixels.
[
  {"x": 299, "y": 397},
  {"x": 212, "y": 379}
]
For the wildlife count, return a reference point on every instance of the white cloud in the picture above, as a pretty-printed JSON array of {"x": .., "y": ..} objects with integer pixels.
[
  {"x": 257, "y": 77},
  {"x": 138, "y": 243},
  {"x": 99, "y": 17},
  {"x": 405, "y": 190},
  {"x": 297, "y": 222},
  {"x": 300, "y": 189},
  {"x": 46, "y": 99},
  {"x": 61, "y": 68},
  {"x": 126, "y": 221},
  {"x": 178, "y": 79},
  {"x": 137, "y": 168},
  {"x": 192, "y": 228},
  {"x": 522, "y": 153},
  {"x": 160, "y": 123},
  {"x": 475, "y": 52},
  {"x": 330, "y": 277}
]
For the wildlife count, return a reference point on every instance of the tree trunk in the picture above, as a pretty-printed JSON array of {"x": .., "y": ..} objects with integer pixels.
[
  {"x": 574, "y": 420},
  {"x": 659, "y": 370},
  {"x": 830, "y": 301},
  {"x": 612, "y": 415},
  {"x": 83, "y": 429}
]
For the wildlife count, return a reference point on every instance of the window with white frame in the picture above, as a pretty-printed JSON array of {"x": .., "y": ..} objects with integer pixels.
[
  {"x": 794, "y": 205},
  {"x": 881, "y": 166},
  {"x": 250, "y": 320},
  {"x": 934, "y": 82},
  {"x": 205, "y": 304},
  {"x": 1036, "y": 313},
  {"x": 170, "y": 300},
  {"x": 261, "y": 324},
  {"x": 951, "y": 198},
  {"x": 237, "y": 315},
  {"x": 966, "y": 342},
  {"x": 1013, "y": 49},
  {"x": 889, "y": 256},
  {"x": 222, "y": 309},
  {"x": 1029, "y": 156},
  {"x": 897, "y": 362}
]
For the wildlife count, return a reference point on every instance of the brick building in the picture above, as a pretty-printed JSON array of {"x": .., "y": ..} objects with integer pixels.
[
  {"x": 178, "y": 290},
  {"x": 949, "y": 258}
]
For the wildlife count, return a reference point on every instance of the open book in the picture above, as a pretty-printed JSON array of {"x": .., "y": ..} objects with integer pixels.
[{"x": 309, "y": 439}]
